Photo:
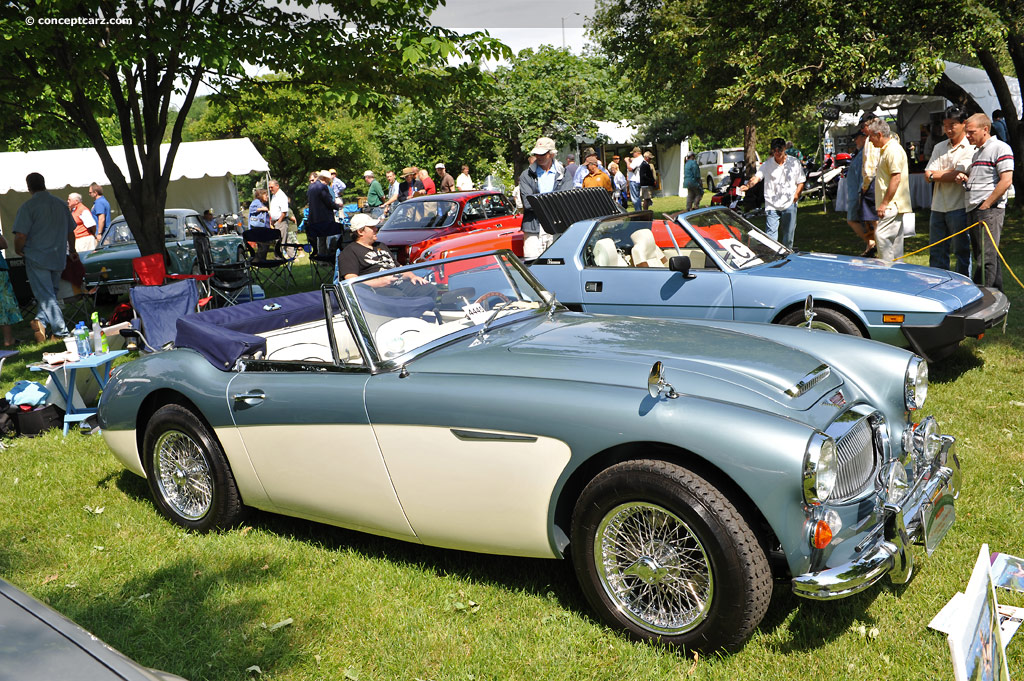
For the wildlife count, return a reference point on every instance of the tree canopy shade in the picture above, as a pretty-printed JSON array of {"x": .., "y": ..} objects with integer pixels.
[
  {"x": 716, "y": 66},
  {"x": 83, "y": 60}
]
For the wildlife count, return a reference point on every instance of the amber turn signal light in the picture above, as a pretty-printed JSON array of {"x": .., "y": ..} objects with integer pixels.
[
  {"x": 892, "y": 318},
  {"x": 822, "y": 534}
]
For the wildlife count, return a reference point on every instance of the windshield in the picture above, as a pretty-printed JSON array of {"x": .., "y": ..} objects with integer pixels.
[
  {"x": 740, "y": 244},
  {"x": 405, "y": 310},
  {"x": 118, "y": 232},
  {"x": 422, "y": 215},
  {"x": 732, "y": 156}
]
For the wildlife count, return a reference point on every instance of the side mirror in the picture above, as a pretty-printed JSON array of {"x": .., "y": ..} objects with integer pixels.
[
  {"x": 681, "y": 263},
  {"x": 656, "y": 383}
]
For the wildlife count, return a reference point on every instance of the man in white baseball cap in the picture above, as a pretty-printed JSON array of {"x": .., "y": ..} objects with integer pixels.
[
  {"x": 445, "y": 182},
  {"x": 366, "y": 255},
  {"x": 543, "y": 176}
]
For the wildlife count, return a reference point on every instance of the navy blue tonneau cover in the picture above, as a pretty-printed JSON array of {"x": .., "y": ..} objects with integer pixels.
[{"x": 226, "y": 334}]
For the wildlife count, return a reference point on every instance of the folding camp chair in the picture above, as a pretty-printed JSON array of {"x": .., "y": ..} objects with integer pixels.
[
  {"x": 150, "y": 270},
  {"x": 231, "y": 283},
  {"x": 22, "y": 291},
  {"x": 324, "y": 243},
  {"x": 264, "y": 269},
  {"x": 157, "y": 309}
]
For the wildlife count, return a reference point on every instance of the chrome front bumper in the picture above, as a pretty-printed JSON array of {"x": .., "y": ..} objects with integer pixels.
[{"x": 923, "y": 517}]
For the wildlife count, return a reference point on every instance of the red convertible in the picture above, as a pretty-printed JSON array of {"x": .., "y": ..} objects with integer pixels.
[{"x": 418, "y": 223}]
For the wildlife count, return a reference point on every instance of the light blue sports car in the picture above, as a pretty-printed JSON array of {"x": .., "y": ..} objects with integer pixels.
[
  {"x": 713, "y": 264},
  {"x": 686, "y": 466}
]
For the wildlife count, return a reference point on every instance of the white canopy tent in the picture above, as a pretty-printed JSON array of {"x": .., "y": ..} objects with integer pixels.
[{"x": 202, "y": 175}]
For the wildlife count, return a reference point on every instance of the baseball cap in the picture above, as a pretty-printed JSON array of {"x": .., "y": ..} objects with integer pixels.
[
  {"x": 360, "y": 220},
  {"x": 438, "y": 165},
  {"x": 333, "y": 171},
  {"x": 368, "y": 173},
  {"x": 545, "y": 145}
]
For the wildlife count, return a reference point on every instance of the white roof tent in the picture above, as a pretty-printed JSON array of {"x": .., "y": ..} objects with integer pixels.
[
  {"x": 912, "y": 109},
  {"x": 202, "y": 175}
]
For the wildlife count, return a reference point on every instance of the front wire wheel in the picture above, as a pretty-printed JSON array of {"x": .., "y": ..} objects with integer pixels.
[
  {"x": 653, "y": 565},
  {"x": 662, "y": 554}
]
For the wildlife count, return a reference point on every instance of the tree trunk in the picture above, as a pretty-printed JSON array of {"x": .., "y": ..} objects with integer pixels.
[
  {"x": 1014, "y": 125},
  {"x": 749, "y": 150}
]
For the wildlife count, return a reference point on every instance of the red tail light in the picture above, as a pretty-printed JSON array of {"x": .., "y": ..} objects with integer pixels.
[{"x": 719, "y": 168}]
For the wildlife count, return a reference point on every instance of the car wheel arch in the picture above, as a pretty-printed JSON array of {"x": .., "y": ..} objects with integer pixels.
[
  {"x": 695, "y": 463},
  {"x": 160, "y": 398},
  {"x": 844, "y": 310}
]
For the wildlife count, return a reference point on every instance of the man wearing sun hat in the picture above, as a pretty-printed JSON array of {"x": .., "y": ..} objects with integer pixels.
[
  {"x": 375, "y": 193},
  {"x": 543, "y": 176},
  {"x": 409, "y": 184}
]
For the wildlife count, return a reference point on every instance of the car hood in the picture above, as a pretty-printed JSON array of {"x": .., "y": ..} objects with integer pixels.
[
  {"x": 701, "y": 360},
  {"x": 404, "y": 237},
  {"x": 854, "y": 271},
  {"x": 118, "y": 253}
]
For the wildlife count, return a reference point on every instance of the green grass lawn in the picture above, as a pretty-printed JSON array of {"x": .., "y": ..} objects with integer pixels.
[{"x": 80, "y": 533}]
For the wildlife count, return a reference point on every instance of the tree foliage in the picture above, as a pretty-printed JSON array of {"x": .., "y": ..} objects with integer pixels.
[
  {"x": 133, "y": 59},
  {"x": 545, "y": 92},
  {"x": 297, "y": 128},
  {"x": 709, "y": 68}
]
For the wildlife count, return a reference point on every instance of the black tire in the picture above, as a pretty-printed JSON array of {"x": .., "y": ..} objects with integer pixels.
[
  {"x": 726, "y": 592},
  {"x": 188, "y": 473},
  {"x": 825, "y": 319},
  {"x": 711, "y": 184}
]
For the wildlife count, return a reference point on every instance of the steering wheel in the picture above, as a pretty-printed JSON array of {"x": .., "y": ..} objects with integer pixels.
[{"x": 491, "y": 294}]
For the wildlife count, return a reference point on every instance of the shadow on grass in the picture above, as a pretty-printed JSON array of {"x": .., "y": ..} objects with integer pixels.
[
  {"x": 947, "y": 370},
  {"x": 186, "y": 596}
]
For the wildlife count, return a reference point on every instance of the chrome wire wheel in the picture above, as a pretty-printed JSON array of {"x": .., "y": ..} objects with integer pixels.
[
  {"x": 183, "y": 475},
  {"x": 653, "y": 568},
  {"x": 820, "y": 326}
]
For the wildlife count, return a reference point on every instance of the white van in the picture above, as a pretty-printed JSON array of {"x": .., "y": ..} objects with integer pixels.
[{"x": 715, "y": 164}]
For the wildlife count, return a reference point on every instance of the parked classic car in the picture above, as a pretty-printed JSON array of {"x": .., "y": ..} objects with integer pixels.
[
  {"x": 109, "y": 267},
  {"x": 37, "y": 643},
  {"x": 622, "y": 265},
  {"x": 416, "y": 223},
  {"x": 683, "y": 464}
]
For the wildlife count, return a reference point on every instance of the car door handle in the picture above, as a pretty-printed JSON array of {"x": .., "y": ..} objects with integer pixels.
[
  {"x": 593, "y": 286},
  {"x": 252, "y": 397}
]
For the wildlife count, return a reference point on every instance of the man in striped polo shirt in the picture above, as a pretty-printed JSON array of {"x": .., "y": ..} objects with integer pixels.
[{"x": 990, "y": 175}]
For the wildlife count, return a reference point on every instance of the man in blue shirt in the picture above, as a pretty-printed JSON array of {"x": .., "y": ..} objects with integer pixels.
[
  {"x": 691, "y": 180},
  {"x": 999, "y": 126},
  {"x": 44, "y": 232},
  {"x": 100, "y": 209},
  {"x": 581, "y": 171}
]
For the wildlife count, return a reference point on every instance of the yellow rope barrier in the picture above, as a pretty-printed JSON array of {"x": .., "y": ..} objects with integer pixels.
[{"x": 994, "y": 245}]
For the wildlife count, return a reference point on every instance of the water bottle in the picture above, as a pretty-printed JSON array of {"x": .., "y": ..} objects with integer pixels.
[
  {"x": 99, "y": 340},
  {"x": 82, "y": 336}
]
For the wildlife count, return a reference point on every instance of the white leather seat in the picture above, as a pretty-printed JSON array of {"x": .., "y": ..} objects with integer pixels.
[
  {"x": 606, "y": 255},
  {"x": 645, "y": 251},
  {"x": 698, "y": 260}
]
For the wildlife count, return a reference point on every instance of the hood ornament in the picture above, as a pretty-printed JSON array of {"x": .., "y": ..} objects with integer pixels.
[
  {"x": 656, "y": 383},
  {"x": 809, "y": 313}
]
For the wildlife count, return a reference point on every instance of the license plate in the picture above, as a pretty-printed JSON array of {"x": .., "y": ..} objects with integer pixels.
[
  {"x": 117, "y": 289},
  {"x": 937, "y": 516}
]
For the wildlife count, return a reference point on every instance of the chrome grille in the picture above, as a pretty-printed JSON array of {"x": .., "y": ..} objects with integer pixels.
[{"x": 856, "y": 454}]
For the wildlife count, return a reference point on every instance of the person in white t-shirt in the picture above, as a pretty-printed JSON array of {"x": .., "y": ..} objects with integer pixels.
[
  {"x": 784, "y": 179},
  {"x": 633, "y": 176},
  {"x": 464, "y": 183}
]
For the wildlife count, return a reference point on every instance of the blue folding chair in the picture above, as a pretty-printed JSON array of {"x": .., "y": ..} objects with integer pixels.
[{"x": 158, "y": 308}]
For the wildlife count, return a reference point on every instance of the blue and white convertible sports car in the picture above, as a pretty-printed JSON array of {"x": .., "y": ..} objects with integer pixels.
[
  {"x": 685, "y": 465},
  {"x": 618, "y": 265}
]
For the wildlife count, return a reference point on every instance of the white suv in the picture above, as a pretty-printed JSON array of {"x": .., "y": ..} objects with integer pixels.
[{"x": 715, "y": 164}]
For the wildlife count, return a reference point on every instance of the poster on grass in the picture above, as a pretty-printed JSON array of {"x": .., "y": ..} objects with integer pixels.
[
  {"x": 1008, "y": 572},
  {"x": 975, "y": 641}
]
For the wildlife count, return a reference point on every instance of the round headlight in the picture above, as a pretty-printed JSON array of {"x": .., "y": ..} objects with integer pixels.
[
  {"x": 894, "y": 477},
  {"x": 820, "y": 469},
  {"x": 927, "y": 440},
  {"x": 916, "y": 383}
]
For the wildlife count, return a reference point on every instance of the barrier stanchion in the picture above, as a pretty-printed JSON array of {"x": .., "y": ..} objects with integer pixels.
[{"x": 982, "y": 250}]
